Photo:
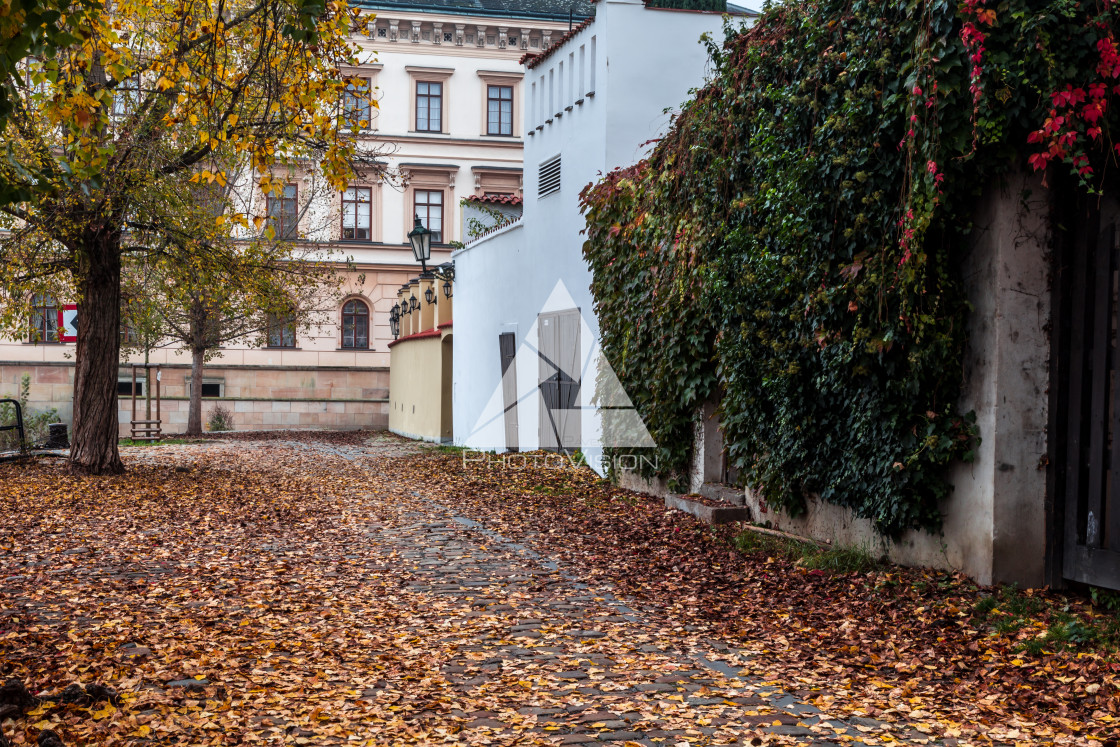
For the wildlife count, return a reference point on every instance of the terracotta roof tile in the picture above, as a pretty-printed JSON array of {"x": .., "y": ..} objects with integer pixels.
[{"x": 496, "y": 199}]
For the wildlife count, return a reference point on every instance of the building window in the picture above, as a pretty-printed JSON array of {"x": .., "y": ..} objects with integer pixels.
[
  {"x": 429, "y": 208},
  {"x": 355, "y": 325},
  {"x": 429, "y": 106},
  {"x": 124, "y": 387},
  {"x": 280, "y": 331},
  {"x": 126, "y": 97},
  {"x": 211, "y": 388},
  {"x": 283, "y": 214},
  {"x": 44, "y": 318},
  {"x": 355, "y": 104},
  {"x": 357, "y": 203},
  {"x": 129, "y": 335},
  {"x": 499, "y": 110}
]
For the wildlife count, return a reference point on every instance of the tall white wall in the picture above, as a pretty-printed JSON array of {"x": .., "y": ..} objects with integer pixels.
[{"x": 595, "y": 101}]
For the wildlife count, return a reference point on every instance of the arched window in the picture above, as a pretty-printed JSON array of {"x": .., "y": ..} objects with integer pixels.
[
  {"x": 44, "y": 318},
  {"x": 355, "y": 325}
]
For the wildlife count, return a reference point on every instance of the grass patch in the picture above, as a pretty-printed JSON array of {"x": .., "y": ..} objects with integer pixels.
[
  {"x": 1045, "y": 625},
  {"x": 163, "y": 442},
  {"x": 447, "y": 448},
  {"x": 837, "y": 560}
]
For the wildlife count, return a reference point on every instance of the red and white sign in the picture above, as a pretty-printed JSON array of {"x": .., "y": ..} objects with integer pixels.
[{"x": 68, "y": 323}]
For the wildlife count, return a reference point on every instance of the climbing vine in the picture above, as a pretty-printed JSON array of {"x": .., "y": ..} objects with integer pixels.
[{"x": 793, "y": 245}]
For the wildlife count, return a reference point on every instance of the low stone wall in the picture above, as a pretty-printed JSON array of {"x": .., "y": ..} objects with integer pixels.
[{"x": 259, "y": 398}]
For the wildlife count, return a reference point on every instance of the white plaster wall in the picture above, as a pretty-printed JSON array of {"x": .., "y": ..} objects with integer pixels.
[{"x": 504, "y": 280}]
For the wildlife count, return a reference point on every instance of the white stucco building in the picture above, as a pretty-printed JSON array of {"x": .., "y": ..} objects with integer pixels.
[{"x": 523, "y": 305}]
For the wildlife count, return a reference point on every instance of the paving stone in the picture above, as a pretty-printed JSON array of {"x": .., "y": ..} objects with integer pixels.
[
  {"x": 619, "y": 736},
  {"x": 189, "y": 684},
  {"x": 790, "y": 730}
]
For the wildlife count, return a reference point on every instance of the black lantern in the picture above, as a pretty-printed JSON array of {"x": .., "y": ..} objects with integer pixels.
[
  {"x": 447, "y": 289},
  {"x": 395, "y": 324},
  {"x": 421, "y": 240},
  {"x": 413, "y": 304},
  {"x": 429, "y": 295}
]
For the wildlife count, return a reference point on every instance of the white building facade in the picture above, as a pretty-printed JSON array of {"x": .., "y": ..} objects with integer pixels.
[
  {"x": 450, "y": 118},
  {"x": 526, "y": 345}
]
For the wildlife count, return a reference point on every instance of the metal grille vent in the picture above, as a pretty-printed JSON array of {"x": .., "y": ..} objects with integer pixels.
[{"x": 549, "y": 181}]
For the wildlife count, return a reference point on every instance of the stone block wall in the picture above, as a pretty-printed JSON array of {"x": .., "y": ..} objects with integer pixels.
[{"x": 259, "y": 398}]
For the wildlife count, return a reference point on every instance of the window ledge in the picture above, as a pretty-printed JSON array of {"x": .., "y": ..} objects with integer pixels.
[
  {"x": 354, "y": 350},
  {"x": 277, "y": 347}
]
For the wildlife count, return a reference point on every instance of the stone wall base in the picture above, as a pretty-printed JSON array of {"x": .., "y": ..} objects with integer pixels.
[{"x": 258, "y": 398}]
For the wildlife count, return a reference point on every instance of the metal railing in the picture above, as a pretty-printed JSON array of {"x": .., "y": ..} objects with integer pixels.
[{"x": 18, "y": 427}]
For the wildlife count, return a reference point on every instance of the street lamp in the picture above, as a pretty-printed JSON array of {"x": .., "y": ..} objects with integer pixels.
[
  {"x": 395, "y": 322},
  {"x": 447, "y": 289},
  {"x": 421, "y": 240},
  {"x": 429, "y": 295},
  {"x": 413, "y": 304}
]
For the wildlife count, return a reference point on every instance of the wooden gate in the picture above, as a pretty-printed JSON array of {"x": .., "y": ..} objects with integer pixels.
[
  {"x": 560, "y": 373},
  {"x": 1088, "y": 418}
]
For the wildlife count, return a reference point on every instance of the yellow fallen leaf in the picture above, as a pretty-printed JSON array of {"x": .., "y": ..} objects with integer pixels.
[{"x": 108, "y": 710}]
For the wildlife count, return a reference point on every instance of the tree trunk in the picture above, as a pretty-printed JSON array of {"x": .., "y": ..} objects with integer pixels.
[
  {"x": 194, "y": 416},
  {"x": 96, "y": 426}
]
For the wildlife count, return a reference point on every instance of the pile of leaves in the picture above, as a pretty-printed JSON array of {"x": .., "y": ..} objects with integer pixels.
[
  {"x": 793, "y": 246},
  {"x": 889, "y": 643}
]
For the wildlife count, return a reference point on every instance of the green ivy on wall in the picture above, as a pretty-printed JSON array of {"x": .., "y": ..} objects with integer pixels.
[{"x": 794, "y": 244}]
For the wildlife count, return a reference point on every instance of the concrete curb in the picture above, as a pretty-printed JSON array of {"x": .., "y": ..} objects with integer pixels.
[{"x": 708, "y": 514}]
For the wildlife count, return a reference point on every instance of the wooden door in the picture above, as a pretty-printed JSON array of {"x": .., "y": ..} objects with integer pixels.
[
  {"x": 507, "y": 348},
  {"x": 560, "y": 359},
  {"x": 1089, "y": 376}
]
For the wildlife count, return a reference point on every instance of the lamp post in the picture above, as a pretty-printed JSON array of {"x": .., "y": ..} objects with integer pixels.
[{"x": 421, "y": 240}]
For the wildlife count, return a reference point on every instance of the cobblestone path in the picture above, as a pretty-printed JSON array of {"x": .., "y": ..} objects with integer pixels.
[{"x": 560, "y": 661}]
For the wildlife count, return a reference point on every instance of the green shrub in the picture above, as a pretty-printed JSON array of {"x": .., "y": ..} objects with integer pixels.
[{"x": 220, "y": 419}]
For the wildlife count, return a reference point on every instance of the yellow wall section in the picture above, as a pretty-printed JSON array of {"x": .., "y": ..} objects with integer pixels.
[{"x": 420, "y": 397}]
